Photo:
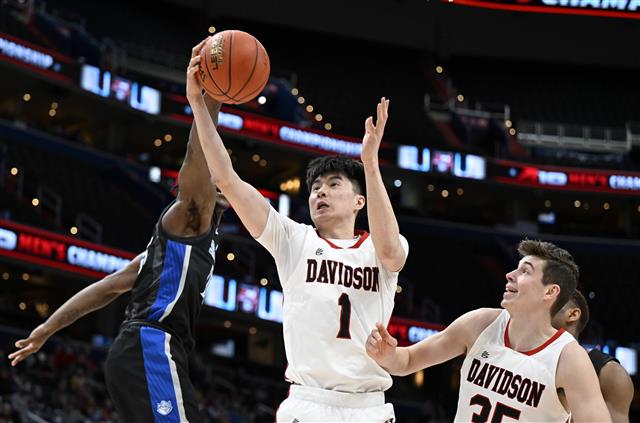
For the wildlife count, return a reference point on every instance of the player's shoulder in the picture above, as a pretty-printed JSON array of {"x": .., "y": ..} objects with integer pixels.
[
  {"x": 482, "y": 317},
  {"x": 614, "y": 375},
  {"x": 474, "y": 322},
  {"x": 573, "y": 358}
]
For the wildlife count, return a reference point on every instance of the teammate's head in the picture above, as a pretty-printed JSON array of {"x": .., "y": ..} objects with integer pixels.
[
  {"x": 574, "y": 316},
  {"x": 336, "y": 189},
  {"x": 546, "y": 276}
]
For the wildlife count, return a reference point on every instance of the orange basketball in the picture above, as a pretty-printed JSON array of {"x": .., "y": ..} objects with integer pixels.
[{"x": 234, "y": 67}]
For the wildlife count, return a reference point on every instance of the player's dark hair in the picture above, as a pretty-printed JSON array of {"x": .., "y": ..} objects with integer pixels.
[
  {"x": 559, "y": 269},
  {"x": 353, "y": 169},
  {"x": 578, "y": 300}
]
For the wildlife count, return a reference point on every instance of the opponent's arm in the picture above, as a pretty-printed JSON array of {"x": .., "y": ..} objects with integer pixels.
[
  {"x": 93, "y": 297},
  {"x": 383, "y": 225},
  {"x": 617, "y": 390},
  {"x": 250, "y": 206},
  {"x": 576, "y": 376},
  {"x": 453, "y": 341},
  {"x": 191, "y": 213}
]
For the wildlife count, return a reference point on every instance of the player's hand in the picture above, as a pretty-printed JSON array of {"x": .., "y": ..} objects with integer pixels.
[
  {"x": 373, "y": 133},
  {"x": 381, "y": 346},
  {"x": 194, "y": 88},
  {"x": 29, "y": 345}
]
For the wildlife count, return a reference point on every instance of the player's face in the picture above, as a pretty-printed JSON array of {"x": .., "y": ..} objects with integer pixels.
[
  {"x": 524, "y": 290},
  {"x": 332, "y": 199}
]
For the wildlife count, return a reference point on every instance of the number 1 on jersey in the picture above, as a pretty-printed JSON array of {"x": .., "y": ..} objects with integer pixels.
[{"x": 345, "y": 316}]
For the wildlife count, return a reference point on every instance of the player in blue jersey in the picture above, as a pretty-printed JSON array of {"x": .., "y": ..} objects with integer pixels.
[{"x": 146, "y": 370}]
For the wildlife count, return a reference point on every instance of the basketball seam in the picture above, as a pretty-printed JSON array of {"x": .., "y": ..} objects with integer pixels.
[
  {"x": 230, "y": 57},
  {"x": 255, "y": 63},
  {"x": 260, "y": 88},
  {"x": 222, "y": 92}
]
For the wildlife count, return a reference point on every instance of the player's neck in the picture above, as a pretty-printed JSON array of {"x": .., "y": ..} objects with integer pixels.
[
  {"x": 342, "y": 230},
  {"x": 529, "y": 331}
]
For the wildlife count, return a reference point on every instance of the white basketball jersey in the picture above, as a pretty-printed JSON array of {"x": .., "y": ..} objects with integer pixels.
[
  {"x": 333, "y": 297},
  {"x": 499, "y": 384}
]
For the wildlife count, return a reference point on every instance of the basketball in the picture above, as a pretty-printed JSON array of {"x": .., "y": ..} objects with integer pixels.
[{"x": 234, "y": 67}]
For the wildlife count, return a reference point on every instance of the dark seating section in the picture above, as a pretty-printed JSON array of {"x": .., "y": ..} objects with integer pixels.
[
  {"x": 344, "y": 88},
  {"x": 83, "y": 188},
  {"x": 550, "y": 92}
]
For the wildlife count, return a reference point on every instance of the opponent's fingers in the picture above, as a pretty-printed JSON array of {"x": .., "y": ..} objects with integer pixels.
[
  {"x": 376, "y": 335},
  {"x": 18, "y": 356},
  {"x": 20, "y": 343}
]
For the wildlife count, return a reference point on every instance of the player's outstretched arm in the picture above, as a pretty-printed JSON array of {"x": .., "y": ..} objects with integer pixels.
[
  {"x": 576, "y": 376},
  {"x": 191, "y": 214},
  {"x": 383, "y": 225},
  {"x": 93, "y": 297},
  {"x": 250, "y": 206},
  {"x": 617, "y": 390},
  {"x": 455, "y": 340}
]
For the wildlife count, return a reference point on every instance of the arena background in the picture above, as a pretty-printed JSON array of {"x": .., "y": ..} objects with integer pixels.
[{"x": 507, "y": 120}]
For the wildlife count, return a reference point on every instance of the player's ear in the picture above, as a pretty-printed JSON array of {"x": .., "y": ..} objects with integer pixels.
[
  {"x": 574, "y": 315},
  {"x": 360, "y": 201},
  {"x": 552, "y": 290}
]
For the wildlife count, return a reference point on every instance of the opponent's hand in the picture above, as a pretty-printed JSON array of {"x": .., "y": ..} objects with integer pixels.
[
  {"x": 381, "y": 346},
  {"x": 374, "y": 133},
  {"x": 194, "y": 87},
  {"x": 29, "y": 345}
]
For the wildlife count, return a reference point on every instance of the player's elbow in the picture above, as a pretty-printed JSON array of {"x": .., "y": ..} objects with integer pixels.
[
  {"x": 393, "y": 259},
  {"x": 225, "y": 180}
]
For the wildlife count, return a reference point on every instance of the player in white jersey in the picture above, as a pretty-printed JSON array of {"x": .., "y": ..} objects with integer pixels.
[
  {"x": 517, "y": 366},
  {"x": 337, "y": 282}
]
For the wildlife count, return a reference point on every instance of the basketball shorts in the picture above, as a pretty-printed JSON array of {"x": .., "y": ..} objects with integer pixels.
[
  {"x": 307, "y": 404},
  {"x": 147, "y": 376}
]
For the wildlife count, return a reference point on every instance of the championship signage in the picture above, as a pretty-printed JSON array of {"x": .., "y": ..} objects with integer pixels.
[
  {"x": 409, "y": 332},
  {"x": 573, "y": 179},
  {"x": 47, "y": 249},
  {"x": 608, "y": 8},
  {"x": 267, "y": 129},
  {"x": 38, "y": 59}
]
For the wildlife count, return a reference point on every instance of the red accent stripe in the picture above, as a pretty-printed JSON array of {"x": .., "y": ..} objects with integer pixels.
[
  {"x": 363, "y": 236},
  {"x": 573, "y": 188},
  {"x": 38, "y": 48},
  {"x": 51, "y": 263},
  {"x": 66, "y": 239},
  {"x": 49, "y": 73},
  {"x": 507, "y": 342},
  {"x": 546, "y": 9}
]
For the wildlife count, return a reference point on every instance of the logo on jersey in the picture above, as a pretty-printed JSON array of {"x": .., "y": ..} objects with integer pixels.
[
  {"x": 485, "y": 354},
  {"x": 319, "y": 252},
  {"x": 338, "y": 273},
  {"x": 164, "y": 407}
]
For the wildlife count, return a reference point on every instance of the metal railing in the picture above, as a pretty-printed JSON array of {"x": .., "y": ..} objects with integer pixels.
[{"x": 576, "y": 137}]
